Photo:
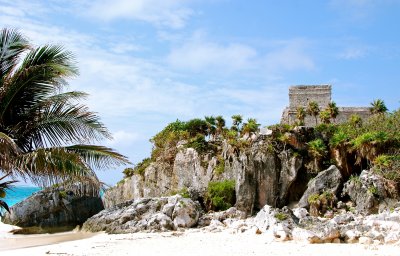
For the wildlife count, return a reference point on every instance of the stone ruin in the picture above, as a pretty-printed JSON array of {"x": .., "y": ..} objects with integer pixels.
[{"x": 301, "y": 95}]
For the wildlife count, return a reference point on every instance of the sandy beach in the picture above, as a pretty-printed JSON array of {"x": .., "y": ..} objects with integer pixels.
[{"x": 191, "y": 242}]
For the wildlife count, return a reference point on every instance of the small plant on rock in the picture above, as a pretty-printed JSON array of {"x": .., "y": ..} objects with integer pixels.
[{"x": 281, "y": 216}]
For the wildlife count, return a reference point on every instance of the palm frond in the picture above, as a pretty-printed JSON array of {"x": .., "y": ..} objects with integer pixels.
[
  {"x": 12, "y": 44},
  {"x": 4, "y": 205},
  {"x": 41, "y": 75},
  {"x": 58, "y": 124},
  {"x": 50, "y": 166},
  {"x": 99, "y": 157}
]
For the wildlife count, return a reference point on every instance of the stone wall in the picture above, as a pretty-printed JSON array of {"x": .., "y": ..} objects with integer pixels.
[{"x": 300, "y": 95}]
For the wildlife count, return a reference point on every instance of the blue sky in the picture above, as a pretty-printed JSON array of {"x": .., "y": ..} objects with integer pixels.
[{"x": 146, "y": 63}]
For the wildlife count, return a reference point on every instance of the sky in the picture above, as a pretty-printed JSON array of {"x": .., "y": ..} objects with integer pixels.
[{"x": 146, "y": 63}]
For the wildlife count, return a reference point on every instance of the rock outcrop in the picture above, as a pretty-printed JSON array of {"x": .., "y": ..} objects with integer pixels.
[
  {"x": 262, "y": 176},
  {"x": 371, "y": 193},
  {"x": 329, "y": 180},
  {"x": 146, "y": 214},
  {"x": 54, "y": 208}
]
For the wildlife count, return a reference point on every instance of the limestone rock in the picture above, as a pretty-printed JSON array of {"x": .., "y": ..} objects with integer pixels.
[
  {"x": 53, "y": 208},
  {"x": 327, "y": 180},
  {"x": 368, "y": 192},
  {"x": 146, "y": 215}
]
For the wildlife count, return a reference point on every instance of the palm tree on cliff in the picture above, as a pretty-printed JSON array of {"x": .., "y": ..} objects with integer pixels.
[
  {"x": 45, "y": 134},
  {"x": 333, "y": 110},
  {"x": 236, "y": 121},
  {"x": 378, "y": 107},
  {"x": 210, "y": 121},
  {"x": 220, "y": 122},
  {"x": 301, "y": 115},
  {"x": 313, "y": 110}
]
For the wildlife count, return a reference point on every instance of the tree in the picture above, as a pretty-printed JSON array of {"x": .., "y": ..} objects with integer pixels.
[
  {"x": 211, "y": 128},
  {"x": 378, "y": 107},
  {"x": 250, "y": 126},
  {"x": 220, "y": 123},
  {"x": 45, "y": 134},
  {"x": 333, "y": 110},
  {"x": 325, "y": 116},
  {"x": 301, "y": 115},
  {"x": 236, "y": 121},
  {"x": 5, "y": 185},
  {"x": 313, "y": 110}
]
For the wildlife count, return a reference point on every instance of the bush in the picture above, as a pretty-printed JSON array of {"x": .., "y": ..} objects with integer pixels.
[
  {"x": 220, "y": 195},
  {"x": 220, "y": 168},
  {"x": 317, "y": 148},
  {"x": 199, "y": 143}
]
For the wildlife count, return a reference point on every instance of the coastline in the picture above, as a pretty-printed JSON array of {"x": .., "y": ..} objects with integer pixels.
[
  {"x": 196, "y": 242},
  {"x": 9, "y": 241}
]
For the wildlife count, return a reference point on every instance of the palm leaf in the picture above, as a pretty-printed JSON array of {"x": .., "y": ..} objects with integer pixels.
[
  {"x": 12, "y": 44},
  {"x": 99, "y": 157},
  {"x": 57, "y": 124},
  {"x": 41, "y": 75},
  {"x": 4, "y": 205}
]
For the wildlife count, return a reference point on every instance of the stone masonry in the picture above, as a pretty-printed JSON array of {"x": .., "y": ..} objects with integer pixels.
[{"x": 301, "y": 95}]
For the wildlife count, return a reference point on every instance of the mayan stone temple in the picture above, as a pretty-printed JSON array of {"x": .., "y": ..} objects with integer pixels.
[{"x": 301, "y": 95}]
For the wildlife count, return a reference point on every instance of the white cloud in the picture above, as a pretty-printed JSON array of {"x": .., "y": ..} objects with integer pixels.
[
  {"x": 122, "y": 137},
  {"x": 202, "y": 55},
  {"x": 290, "y": 55},
  {"x": 165, "y": 13},
  {"x": 353, "y": 53},
  {"x": 199, "y": 54}
]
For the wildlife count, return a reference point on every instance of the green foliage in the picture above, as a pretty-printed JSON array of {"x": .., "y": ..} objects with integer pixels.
[
  {"x": 369, "y": 138},
  {"x": 339, "y": 138},
  {"x": 355, "y": 120},
  {"x": 325, "y": 116},
  {"x": 46, "y": 134},
  {"x": 378, "y": 107},
  {"x": 128, "y": 172},
  {"x": 281, "y": 216},
  {"x": 250, "y": 126},
  {"x": 313, "y": 110},
  {"x": 355, "y": 179},
  {"x": 373, "y": 190},
  {"x": 220, "y": 168},
  {"x": 199, "y": 143},
  {"x": 317, "y": 148},
  {"x": 221, "y": 195},
  {"x": 313, "y": 199},
  {"x": 196, "y": 126},
  {"x": 141, "y": 167},
  {"x": 183, "y": 192},
  {"x": 388, "y": 166},
  {"x": 300, "y": 115},
  {"x": 63, "y": 194},
  {"x": 4, "y": 186}
]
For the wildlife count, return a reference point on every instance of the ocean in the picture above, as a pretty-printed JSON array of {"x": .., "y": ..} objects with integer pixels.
[{"x": 19, "y": 193}]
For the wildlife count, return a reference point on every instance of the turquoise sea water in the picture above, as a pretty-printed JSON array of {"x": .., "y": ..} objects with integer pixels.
[{"x": 17, "y": 194}]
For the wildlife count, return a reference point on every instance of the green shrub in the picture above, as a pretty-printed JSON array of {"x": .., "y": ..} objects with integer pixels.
[
  {"x": 220, "y": 168},
  {"x": 141, "y": 167},
  {"x": 317, "y": 148},
  {"x": 339, "y": 138},
  {"x": 220, "y": 195},
  {"x": 128, "y": 172},
  {"x": 313, "y": 199},
  {"x": 281, "y": 216},
  {"x": 199, "y": 143}
]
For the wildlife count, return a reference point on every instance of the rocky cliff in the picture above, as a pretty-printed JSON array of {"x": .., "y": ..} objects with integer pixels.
[{"x": 262, "y": 174}]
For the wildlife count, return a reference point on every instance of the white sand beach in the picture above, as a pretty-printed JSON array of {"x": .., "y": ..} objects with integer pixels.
[{"x": 194, "y": 243}]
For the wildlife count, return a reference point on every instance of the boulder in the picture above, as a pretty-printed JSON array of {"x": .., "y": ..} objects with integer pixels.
[
  {"x": 53, "y": 209},
  {"x": 329, "y": 180},
  {"x": 279, "y": 222},
  {"x": 369, "y": 193},
  {"x": 146, "y": 215}
]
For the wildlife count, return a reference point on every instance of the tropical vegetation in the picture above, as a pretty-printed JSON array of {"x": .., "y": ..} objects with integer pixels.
[{"x": 46, "y": 134}]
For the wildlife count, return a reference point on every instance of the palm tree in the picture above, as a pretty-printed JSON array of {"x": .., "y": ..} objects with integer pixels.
[
  {"x": 236, "y": 121},
  {"x": 210, "y": 121},
  {"x": 333, "y": 110},
  {"x": 45, "y": 135},
  {"x": 378, "y": 107},
  {"x": 325, "y": 116},
  {"x": 5, "y": 185},
  {"x": 301, "y": 115},
  {"x": 250, "y": 126},
  {"x": 220, "y": 123},
  {"x": 313, "y": 110}
]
